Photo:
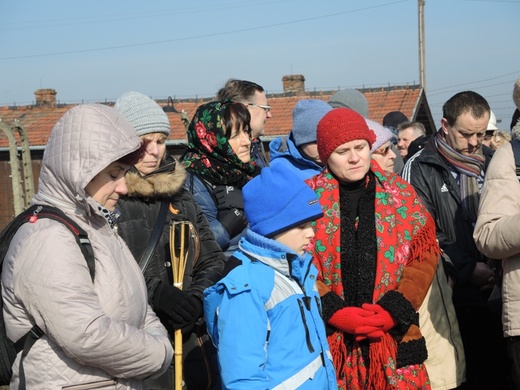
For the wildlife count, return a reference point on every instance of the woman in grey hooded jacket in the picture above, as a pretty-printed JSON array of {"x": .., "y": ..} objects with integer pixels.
[{"x": 101, "y": 332}]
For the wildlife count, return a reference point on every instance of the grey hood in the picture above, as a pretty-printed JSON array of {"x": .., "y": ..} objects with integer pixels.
[{"x": 83, "y": 142}]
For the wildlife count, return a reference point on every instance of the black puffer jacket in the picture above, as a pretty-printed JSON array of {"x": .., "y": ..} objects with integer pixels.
[
  {"x": 431, "y": 177},
  {"x": 205, "y": 260},
  {"x": 139, "y": 211}
]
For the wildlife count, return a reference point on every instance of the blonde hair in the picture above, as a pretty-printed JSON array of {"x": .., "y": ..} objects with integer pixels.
[{"x": 498, "y": 139}]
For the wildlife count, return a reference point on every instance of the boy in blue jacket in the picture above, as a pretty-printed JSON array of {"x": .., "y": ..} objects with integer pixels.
[{"x": 264, "y": 316}]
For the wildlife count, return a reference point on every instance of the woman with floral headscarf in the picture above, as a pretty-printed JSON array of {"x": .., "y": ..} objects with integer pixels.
[{"x": 219, "y": 164}]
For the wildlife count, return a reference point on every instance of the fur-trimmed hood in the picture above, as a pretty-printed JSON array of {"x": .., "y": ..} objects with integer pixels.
[{"x": 165, "y": 182}]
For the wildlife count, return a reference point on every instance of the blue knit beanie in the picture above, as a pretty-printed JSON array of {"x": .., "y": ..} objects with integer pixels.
[
  {"x": 306, "y": 115},
  {"x": 276, "y": 201}
]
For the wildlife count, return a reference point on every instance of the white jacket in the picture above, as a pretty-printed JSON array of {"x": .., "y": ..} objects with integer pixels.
[{"x": 93, "y": 331}]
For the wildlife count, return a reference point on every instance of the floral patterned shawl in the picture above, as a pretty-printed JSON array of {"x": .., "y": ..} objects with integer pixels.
[
  {"x": 210, "y": 155},
  {"x": 406, "y": 259}
]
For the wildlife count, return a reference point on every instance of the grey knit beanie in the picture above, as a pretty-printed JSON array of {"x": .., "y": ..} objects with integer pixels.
[
  {"x": 143, "y": 113},
  {"x": 306, "y": 115},
  {"x": 350, "y": 98}
]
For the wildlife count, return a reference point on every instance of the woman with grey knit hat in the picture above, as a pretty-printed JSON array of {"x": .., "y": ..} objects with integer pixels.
[{"x": 156, "y": 185}]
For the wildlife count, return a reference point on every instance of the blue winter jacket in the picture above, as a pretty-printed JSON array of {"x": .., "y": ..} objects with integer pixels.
[
  {"x": 205, "y": 200},
  {"x": 264, "y": 317},
  {"x": 282, "y": 150}
]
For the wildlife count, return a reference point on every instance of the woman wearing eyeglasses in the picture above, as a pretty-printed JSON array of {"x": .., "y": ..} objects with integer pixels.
[
  {"x": 218, "y": 161},
  {"x": 382, "y": 148}
]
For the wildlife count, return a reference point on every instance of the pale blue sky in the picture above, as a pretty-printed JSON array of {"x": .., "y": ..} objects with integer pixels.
[{"x": 96, "y": 50}]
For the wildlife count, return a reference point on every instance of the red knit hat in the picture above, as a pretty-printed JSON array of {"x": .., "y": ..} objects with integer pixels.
[{"x": 339, "y": 126}]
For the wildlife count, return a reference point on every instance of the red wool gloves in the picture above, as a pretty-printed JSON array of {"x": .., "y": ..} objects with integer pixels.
[{"x": 368, "y": 321}]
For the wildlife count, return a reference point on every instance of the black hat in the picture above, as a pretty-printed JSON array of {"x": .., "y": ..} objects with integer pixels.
[{"x": 394, "y": 119}]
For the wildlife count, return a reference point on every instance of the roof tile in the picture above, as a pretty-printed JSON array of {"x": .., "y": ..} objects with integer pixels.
[{"x": 39, "y": 121}]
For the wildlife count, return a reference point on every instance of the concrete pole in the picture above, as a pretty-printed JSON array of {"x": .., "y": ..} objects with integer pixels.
[
  {"x": 26, "y": 163},
  {"x": 422, "y": 59},
  {"x": 16, "y": 179}
]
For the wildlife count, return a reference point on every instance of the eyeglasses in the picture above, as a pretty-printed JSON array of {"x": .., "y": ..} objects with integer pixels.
[
  {"x": 383, "y": 151},
  {"x": 266, "y": 108}
]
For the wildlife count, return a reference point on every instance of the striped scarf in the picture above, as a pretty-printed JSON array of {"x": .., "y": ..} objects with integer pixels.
[{"x": 469, "y": 168}]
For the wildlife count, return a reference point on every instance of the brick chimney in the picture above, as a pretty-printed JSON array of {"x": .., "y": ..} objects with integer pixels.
[
  {"x": 45, "y": 97},
  {"x": 294, "y": 83}
]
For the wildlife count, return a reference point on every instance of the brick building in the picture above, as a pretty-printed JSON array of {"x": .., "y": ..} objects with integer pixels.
[{"x": 21, "y": 153}]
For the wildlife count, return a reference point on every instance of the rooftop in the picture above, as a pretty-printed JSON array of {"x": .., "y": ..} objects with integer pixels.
[{"x": 39, "y": 119}]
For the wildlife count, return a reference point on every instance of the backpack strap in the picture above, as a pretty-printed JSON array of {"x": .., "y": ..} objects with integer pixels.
[
  {"x": 155, "y": 237},
  {"x": 28, "y": 341},
  {"x": 31, "y": 215}
]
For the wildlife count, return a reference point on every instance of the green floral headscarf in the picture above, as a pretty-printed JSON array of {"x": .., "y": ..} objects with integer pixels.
[{"x": 210, "y": 155}]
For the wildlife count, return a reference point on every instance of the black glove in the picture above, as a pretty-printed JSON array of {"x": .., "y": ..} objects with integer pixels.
[
  {"x": 234, "y": 221},
  {"x": 175, "y": 308},
  {"x": 228, "y": 197}
]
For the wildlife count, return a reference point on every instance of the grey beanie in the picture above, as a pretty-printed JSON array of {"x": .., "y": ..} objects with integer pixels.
[
  {"x": 143, "y": 113},
  {"x": 306, "y": 115},
  {"x": 350, "y": 98}
]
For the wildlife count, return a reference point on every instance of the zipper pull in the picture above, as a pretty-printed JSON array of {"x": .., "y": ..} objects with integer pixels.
[{"x": 34, "y": 216}]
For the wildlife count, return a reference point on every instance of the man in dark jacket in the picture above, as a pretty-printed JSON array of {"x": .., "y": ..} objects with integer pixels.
[
  {"x": 157, "y": 179},
  {"x": 448, "y": 174},
  {"x": 252, "y": 96}
]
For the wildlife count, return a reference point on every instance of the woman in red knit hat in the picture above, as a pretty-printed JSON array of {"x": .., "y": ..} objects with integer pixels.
[{"x": 377, "y": 253}]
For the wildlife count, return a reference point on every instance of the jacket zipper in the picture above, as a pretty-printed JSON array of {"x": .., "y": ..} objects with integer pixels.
[
  {"x": 307, "y": 334},
  {"x": 307, "y": 303}
]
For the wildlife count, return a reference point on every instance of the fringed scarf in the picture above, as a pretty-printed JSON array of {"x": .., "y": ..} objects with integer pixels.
[
  {"x": 403, "y": 232},
  {"x": 210, "y": 155},
  {"x": 469, "y": 168}
]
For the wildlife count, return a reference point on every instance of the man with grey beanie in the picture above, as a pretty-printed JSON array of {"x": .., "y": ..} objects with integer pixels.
[
  {"x": 157, "y": 198},
  {"x": 298, "y": 152},
  {"x": 253, "y": 96}
]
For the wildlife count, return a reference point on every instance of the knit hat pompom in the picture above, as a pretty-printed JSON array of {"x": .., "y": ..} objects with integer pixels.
[
  {"x": 276, "y": 201},
  {"x": 143, "y": 113},
  {"x": 383, "y": 134},
  {"x": 306, "y": 115},
  {"x": 339, "y": 126}
]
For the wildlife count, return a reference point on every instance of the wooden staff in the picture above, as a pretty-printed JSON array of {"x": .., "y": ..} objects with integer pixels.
[{"x": 178, "y": 267}]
